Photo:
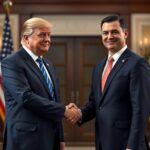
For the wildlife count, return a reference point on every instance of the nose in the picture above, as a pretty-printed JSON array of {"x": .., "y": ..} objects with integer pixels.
[
  {"x": 110, "y": 35},
  {"x": 47, "y": 37}
]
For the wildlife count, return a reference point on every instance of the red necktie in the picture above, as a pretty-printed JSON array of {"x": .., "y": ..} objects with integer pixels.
[{"x": 107, "y": 71}]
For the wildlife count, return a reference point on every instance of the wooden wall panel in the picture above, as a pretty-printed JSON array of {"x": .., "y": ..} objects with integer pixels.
[
  {"x": 78, "y": 8},
  {"x": 79, "y": 1}
]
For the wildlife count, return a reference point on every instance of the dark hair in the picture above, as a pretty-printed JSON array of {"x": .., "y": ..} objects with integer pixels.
[{"x": 113, "y": 18}]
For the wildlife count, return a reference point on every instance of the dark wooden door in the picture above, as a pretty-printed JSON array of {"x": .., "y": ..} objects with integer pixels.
[
  {"x": 88, "y": 51},
  {"x": 74, "y": 58}
]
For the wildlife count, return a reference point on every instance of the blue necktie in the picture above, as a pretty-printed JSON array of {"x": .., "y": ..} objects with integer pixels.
[{"x": 48, "y": 81}]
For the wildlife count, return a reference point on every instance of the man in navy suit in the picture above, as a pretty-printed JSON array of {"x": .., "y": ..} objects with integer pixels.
[
  {"x": 120, "y": 104},
  {"x": 33, "y": 109}
]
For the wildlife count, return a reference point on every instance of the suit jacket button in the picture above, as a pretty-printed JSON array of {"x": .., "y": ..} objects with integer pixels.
[{"x": 100, "y": 108}]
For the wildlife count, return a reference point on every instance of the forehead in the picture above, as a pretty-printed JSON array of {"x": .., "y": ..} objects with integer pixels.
[
  {"x": 42, "y": 29},
  {"x": 111, "y": 25}
]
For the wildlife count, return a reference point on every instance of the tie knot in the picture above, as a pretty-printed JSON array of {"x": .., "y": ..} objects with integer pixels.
[
  {"x": 39, "y": 60},
  {"x": 110, "y": 59}
]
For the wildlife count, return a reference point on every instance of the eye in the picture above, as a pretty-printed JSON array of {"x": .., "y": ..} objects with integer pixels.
[
  {"x": 104, "y": 33},
  {"x": 43, "y": 35},
  {"x": 115, "y": 32}
]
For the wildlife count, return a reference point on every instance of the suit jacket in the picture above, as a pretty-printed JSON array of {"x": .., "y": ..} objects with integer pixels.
[
  {"x": 121, "y": 110},
  {"x": 33, "y": 119}
]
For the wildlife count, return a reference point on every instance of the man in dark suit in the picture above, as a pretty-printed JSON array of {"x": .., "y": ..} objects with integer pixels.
[
  {"x": 33, "y": 109},
  {"x": 119, "y": 92}
]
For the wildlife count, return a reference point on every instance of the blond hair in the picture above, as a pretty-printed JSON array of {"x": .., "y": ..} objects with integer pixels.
[{"x": 33, "y": 23}]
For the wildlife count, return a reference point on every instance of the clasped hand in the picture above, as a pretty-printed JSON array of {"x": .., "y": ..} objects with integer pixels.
[{"x": 72, "y": 113}]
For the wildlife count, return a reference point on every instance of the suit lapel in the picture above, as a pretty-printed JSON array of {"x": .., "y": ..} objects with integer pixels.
[
  {"x": 119, "y": 64},
  {"x": 32, "y": 65}
]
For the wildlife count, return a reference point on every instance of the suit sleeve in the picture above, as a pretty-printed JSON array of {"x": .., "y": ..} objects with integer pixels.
[
  {"x": 139, "y": 93},
  {"x": 17, "y": 88}
]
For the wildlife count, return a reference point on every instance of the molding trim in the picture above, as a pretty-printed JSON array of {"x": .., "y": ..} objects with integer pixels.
[{"x": 74, "y": 25}]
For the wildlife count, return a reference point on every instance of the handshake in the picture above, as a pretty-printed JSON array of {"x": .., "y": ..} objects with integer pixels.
[{"x": 72, "y": 113}]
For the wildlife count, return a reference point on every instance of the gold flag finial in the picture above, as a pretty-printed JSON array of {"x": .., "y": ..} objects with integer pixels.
[{"x": 7, "y": 4}]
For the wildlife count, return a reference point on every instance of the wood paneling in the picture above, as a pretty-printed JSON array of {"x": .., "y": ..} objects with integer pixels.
[
  {"x": 78, "y": 1},
  {"x": 79, "y": 6}
]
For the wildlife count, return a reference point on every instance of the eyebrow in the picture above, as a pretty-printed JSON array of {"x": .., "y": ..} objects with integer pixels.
[{"x": 110, "y": 30}]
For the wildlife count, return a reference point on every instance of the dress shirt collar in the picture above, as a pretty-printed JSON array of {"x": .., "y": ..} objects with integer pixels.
[
  {"x": 117, "y": 55},
  {"x": 33, "y": 56}
]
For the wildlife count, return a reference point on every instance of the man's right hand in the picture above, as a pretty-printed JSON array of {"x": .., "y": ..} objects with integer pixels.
[{"x": 72, "y": 113}]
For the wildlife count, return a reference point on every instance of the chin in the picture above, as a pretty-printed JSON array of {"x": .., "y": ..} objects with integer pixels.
[
  {"x": 111, "y": 48},
  {"x": 45, "y": 50}
]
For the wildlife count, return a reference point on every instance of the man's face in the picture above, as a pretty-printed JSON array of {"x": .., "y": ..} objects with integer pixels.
[
  {"x": 39, "y": 41},
  {"x": 113, "y": 36}
]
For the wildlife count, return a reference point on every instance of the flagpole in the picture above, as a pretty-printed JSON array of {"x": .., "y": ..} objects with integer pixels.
[{"x": 7, "y": 5}]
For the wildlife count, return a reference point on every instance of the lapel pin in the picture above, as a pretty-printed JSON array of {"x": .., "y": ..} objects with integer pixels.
[{"x": 123, "y": 60}]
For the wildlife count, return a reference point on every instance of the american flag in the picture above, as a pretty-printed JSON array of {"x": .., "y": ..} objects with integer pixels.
[{"x": 7, "y": 48}]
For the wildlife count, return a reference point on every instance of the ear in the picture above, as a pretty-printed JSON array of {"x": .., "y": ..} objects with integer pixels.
[
  {"x": 126, "y": 33},
  {"x": 26, "y": 39}
]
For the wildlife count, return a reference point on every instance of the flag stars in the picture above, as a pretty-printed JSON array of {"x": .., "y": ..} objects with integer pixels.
[
  {"x": 7, "y": 44},
  {"x": 3, "y": 55},
  {"x": 6, "y": 39},
  {"x": 4, "y": 49}
]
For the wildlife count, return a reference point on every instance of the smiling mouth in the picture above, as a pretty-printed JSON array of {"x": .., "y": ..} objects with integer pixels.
[
  {"x": 46, "y": 45},
  {"x": 111, "y": 43}
]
